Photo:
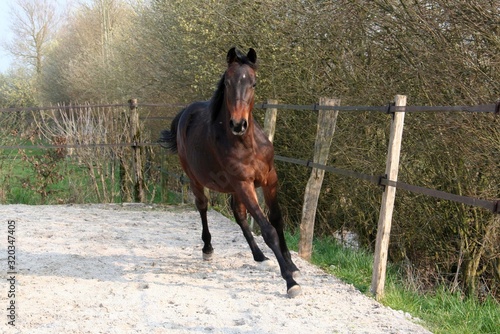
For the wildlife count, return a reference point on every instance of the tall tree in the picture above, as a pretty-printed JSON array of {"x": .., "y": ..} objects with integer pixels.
[
  {"x": 91, "y": 61},
  {"x": 33, "y": 26}
]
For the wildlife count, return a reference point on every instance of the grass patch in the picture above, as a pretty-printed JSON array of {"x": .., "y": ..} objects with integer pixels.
[
  {"x": 441, "y": 310},
  {"x": 22, "y": 183},
  {"x": 447, "y": 312}
]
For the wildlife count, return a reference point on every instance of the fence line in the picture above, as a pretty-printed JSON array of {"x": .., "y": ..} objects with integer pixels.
[
  {"x": 381, "y": 180},
  {"x": 486, "y": 108},
  {"x": 491, "y": 205},
  {"x": 389, "y": 181},
  {"x": 47, "y": 147},
  {"x": 84, "y": 106}
]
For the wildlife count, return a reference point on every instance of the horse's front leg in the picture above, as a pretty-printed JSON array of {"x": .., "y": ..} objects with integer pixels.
[
  {"x": 246, "y": 192},
  {"x": 270, "y": 194},
  {"x": 201, "y": 202}
]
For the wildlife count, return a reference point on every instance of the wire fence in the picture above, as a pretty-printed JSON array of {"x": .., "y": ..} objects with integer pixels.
[
  {"x": 486, "y": 108},
  {"x": 491, "y": 205},
  {"x": 390, "y": 108},
  {"x": 381, "y": 180}
]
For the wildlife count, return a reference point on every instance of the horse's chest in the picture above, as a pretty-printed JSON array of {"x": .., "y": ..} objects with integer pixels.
[
  {"x": 231, "y": 171},
  {"x": 228, "y": 164}
]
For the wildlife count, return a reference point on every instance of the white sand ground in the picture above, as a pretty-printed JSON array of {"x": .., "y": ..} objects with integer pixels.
[{"x": 138, "y": 269}]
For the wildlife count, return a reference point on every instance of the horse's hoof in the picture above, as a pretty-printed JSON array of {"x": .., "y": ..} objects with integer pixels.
[
  {"x": 294, "y": 291},
  {"x": 296, "y": 274},
  {"x": 267, "y": 264},
  {"x": 208, "y": 256}
]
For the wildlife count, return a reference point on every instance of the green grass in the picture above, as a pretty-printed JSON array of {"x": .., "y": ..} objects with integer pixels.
[
  {"x": 17, "y": 178},
  {"x": 447, "y": 312},
  {"x": 441, "y": 310}
]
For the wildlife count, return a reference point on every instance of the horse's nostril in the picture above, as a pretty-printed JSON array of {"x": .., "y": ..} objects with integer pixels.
[{"x": 238, "y": 128}]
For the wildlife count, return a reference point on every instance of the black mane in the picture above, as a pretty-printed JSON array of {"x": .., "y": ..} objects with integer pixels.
[{"x": 217, "y": 99}]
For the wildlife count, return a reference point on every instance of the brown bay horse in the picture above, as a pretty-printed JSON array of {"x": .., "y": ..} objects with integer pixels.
[{"x": 221, "y": 147}]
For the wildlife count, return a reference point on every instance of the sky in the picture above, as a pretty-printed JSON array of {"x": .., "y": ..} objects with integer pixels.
[
  {"x": 5, "y": 59},
  {"x": 5, "y": 23}
]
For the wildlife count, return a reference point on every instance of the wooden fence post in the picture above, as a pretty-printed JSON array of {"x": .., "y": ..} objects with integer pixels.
[
  {"x": 270, "y": 120},
  {"x": 325, "y": 130},
  {"x": 388, "y": 197},
  {"x": 135, "y": 136},
  {"x": 269, "y": 129}
]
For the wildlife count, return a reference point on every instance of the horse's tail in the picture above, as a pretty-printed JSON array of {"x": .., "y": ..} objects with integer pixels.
[{"x": 168, "y": 139}]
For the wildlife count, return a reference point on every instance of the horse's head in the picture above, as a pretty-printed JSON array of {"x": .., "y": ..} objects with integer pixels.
[{"x": 239, "y": 91}]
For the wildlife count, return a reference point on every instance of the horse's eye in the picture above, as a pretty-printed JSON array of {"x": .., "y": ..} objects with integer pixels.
[{"x": 255, "y": 84}]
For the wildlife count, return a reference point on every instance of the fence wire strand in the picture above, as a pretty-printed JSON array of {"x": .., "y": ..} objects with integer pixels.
[{"x": 491, "y": 205}]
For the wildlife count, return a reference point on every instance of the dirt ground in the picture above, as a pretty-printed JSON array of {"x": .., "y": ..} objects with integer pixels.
[{"x": 138, "y": 269}]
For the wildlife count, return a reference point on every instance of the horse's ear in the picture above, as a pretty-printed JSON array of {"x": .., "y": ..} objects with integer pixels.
[
  {"x": 252, "y": 55},
  {"x": 231, "y": 55}
]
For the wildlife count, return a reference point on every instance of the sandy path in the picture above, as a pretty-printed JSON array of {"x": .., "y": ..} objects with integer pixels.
[{"x": 137, "y": 269}]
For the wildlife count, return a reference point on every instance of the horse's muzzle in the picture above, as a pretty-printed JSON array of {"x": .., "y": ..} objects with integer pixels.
[{"x": 238, "y": 128}]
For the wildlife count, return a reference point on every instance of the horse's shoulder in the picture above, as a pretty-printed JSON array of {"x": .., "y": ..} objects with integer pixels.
[
  {"x": 260, "y": 136},
  {"x": 264, "y": 147},
  {"x": 197, "y": 107},
  {"x": 194, "y": 112}
]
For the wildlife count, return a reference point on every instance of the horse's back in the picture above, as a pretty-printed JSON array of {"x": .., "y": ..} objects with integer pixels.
[
  {"x": 194, "y": 115},
  {"x": 193, "y": 131}
]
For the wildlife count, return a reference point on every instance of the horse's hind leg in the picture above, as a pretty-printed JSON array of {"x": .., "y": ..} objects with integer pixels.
[
  {"x": 240, "y": 213},
  {"x": 201, "y": 202}
]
